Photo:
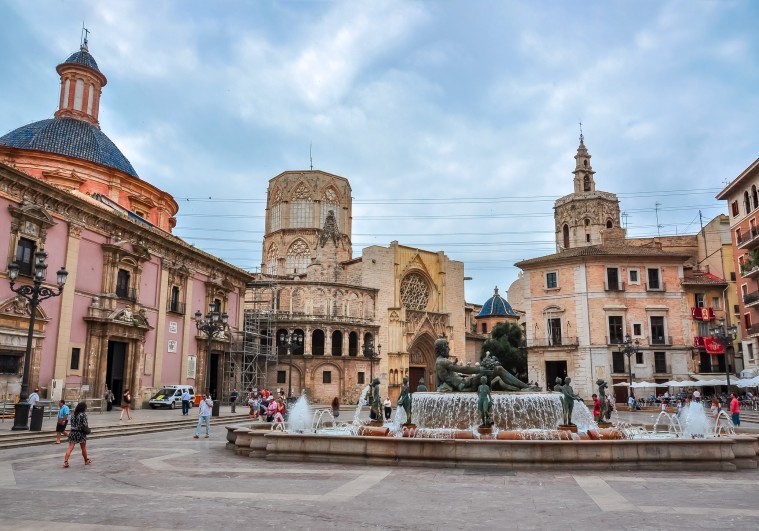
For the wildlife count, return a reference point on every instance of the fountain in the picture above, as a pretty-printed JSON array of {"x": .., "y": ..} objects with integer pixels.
[{"x": 457, "y": 426}]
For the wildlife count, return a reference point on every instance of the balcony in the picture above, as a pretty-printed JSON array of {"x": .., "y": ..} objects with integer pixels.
[
  {"x": 615, "y": 340},
  {"x": 751, "y": 299},
  {"x": 750, "y": 269},
  {"x": 655, "y": 286},
  {"x": 175, "y": 307},
  {"x": 753, "y": 331},
  {"x": 129, "y": 294},
  {"x": 548, "y": 342},
  {"x": 748, "y": 239},
  {"x": 660, "y": 340},
  {"x": 708, "y": 344},
  {"x": 702, "y": 314},
  {"x": 614, "y": 286}
]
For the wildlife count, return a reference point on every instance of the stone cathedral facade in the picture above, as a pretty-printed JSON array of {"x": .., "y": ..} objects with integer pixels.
[{"x": 393, "y": 301}]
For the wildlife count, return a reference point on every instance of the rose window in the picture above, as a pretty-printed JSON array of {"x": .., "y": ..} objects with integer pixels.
[{"x": 415, "y": 292}]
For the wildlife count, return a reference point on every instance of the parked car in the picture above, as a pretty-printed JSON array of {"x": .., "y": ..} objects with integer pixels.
[{"x": 171, "y": 396}]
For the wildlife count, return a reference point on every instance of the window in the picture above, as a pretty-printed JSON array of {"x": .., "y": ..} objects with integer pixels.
[
  {"x": 734, "y": 208},
  {"x": 554, "y": 331},
  {"x": 25, "y": 256},
  {"x": 586, "y": 184},
  {"x": 617, "y": 362},
  {"x": 78, "y": 94},
  {"x": 750, "y": 351},
  {"x": 736, "y": 309},
  {"x": 637, "y": 329},
  {"x": 587, "y": 238},
  {"x": 633, "y": 275},
  {"x": 75, "y": 352},
  {"x": 122, "y": 283},
  {"x": 281, "y": 377},
  {"x": 9, "y": 362},
  {"x": 660, "y": 362},
  {"x": 657, "y": 330},
  {"x": 298, "y": 257},
  {"x": 747, "y": 320},
  {"x": 552, "y": 280},
  {"x": 566, "y": 236},
  {"x": 484, "y": 328},
  {"x": 639, "y": 358},
  {"x": 612, "y": 279},
  {"x": 616, "y": 329},
  {"x": 301, "y": 213},
  {"x": 609, "y": 224},
  {"x": 327, "y": 377},
  {"x": 361, "y": 378},
  {"x": 703, "y": 328},
  {"x": 174, "y": 301},
  {"x": 700, "y": 300},
  {"x": 746, "y": 202},
  {"x": 587, "y": 222},
  {"x": 732, "y": 276},
  {"x": 653, "y": 278},
  {"x": 716, "y": 303}
]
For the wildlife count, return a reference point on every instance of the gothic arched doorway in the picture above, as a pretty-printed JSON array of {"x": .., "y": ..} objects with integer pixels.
[{"x": 422, "y": 362}]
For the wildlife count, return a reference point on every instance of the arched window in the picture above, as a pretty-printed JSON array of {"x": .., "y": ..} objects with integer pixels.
[
  {"x": 174, "y": 301},
  {"x": 337, "y": 343},
  {"x": 754, "y": 197},
  {"x": 353, "y": 344},
  {"x": 275, "y": 213},
  {"x": 281, "y": 349},
  {"x": 369, "y": 342},
  {"x": 90, "y": 98},
  {"x": 301, "y": 208},
  {"x": 565, "y": 230},
  {"x": 415, "y": 292},
  {"x": 317, "y": 343},
  {"x": 271, "y": 261},
  {"x": 586, "y": 221},
  {"x": 586, "y": 183},
  {"x": 297, "y": 257},
  {"x": 330, "y": 201},
  {"x": 746, "y": 202},
  {"x": 78, "y": 94},
  {"x": 609, "y": 224},
  {"x": 298, "y": 351}
]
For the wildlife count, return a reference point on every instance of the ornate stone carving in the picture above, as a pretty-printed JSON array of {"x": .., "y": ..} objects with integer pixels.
[
  {"x": 415, "y": 292},
  {"x": 302, "y": 192},
  {"x": 16, "y": 306},
  {"x": 329, "y": 232}
]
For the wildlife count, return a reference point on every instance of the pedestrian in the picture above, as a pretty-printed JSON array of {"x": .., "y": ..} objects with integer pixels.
[
  {"x": 206, "y": 406},
  {"x": 78, "y": 433},
  {"x": 34, "y": 399},
  {"x": 271, "y": 410},
  {"x": 186, "y": 402},
  {"x": 715, "y": 407},
  {"x": 126, "y": 400},
  {"x": 63, "y": 420},
  {"x": 279, "y": 415},
  {"x": 663, "y": 406},
  {"x": 108, "y": 399},
  {"x": 388, "y": 408},
  {"x": 630, "y": 402},
  {"x": 596, "y": 407},
  {"x": 335, "y": 408},
  {"x": 263, "y": 406},
  {"x": 697, "y": 395},
  {"x": 253, "y": 403},
  {"x": 233, "y": 399},
  {"x": 735, "y": 410},
  {"x": 679, "y": 408}
]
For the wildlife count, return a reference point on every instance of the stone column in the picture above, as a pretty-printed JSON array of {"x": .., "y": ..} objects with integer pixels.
[
  {"x": 188, "y": 331},
  {"x": 160, "y": 327},
  {"x": 63, "y": 350}
]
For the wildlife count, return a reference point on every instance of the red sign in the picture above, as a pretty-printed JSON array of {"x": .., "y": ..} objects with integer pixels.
[
  {"x": 711, "y": 345},
  {"x": 702, "y": 314}
]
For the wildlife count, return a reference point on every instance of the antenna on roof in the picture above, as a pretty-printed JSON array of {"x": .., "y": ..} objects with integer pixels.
[
  {"x": 658, "y": 227},
  {"x": 310, "y": 157},
  {"x": 85, "y": 34},
  {"x": 581, "y": 137}
]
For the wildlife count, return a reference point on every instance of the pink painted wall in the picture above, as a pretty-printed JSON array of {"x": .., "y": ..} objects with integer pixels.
[
  {"x": 90, "y": 271},
  {"x": 5, "y": 234},
  {"x": 149, "y": 283},
  {"x": 172, "y": 361},
  {"x": 78, "y": 324},
  {"x": 55, "y": 246}
]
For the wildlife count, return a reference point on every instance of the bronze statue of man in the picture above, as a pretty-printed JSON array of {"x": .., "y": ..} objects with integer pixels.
[
  {"x": 376, "y": 409},
  {"x": 404, "y": 400},
  {"x": 420, "y": 387},
  {"x": 485, "y": 403},
  {"x": 568, "y": 401},
  {"x": 448, "y": 374},
  {"x": 605, "y": 413}
]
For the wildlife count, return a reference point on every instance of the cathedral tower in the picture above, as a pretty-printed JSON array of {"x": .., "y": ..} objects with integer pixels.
[{"x": 586, "y": 216}]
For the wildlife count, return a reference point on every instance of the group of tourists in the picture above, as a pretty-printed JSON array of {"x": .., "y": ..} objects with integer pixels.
[{"x": 265, "y": 406}]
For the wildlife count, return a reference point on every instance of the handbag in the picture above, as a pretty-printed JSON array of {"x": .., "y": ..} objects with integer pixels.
[{"x": 86, "y": 430}]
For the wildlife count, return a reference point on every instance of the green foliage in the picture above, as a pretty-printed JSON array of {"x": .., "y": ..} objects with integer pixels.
[{"x": 506, "y": 345}]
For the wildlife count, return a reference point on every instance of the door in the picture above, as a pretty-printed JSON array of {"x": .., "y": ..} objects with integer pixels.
[
  {"x": 414, "y": 374},
  {"x": 114, "y": 372},
  {"x": 213, "y": 382},
  {"x": 554, "y": 369}
]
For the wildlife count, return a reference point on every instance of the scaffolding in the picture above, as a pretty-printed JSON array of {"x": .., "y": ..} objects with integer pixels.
[{"x": 251, "y": 351}]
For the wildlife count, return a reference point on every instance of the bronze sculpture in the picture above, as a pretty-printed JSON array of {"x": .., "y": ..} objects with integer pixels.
[
  {"x": 605, "y": 412},
  {"x": 404, "y": 400},
  {"x": 485, "y": 403},
  {"x": 420, "y": 387},
  {"x": 568, "y": 398},
  {"x": 376, "y": 411}
]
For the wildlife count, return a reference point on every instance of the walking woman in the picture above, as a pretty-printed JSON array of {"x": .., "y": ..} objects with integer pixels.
[
  {"x": 126, "y": 400},
  {"x": 78, "y": 433}
]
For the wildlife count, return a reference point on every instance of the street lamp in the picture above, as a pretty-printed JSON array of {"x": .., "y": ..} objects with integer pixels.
[
  {"x": 368, "y": 350},
  {"x": 290, "y": 342},
  {"x": 725, "y": 337},
  {"x": 212, "y": 324},
  {"x": 35, "y": 294},
  {"x": 628, "y": 348}
]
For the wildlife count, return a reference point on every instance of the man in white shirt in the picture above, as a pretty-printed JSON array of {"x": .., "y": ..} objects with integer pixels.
[
  {"x": 34, "y": 398},
  {"x": 186, "y": 402},
  {"x": 206, "y": 406}
]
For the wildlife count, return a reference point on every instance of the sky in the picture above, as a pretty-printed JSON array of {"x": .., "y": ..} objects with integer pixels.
[{"x": 456, "y": 122}]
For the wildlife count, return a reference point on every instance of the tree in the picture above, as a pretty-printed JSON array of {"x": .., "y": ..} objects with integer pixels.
[{"x": 505, "y": 344}]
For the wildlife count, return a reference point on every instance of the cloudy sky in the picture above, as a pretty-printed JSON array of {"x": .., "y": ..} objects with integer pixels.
[{"x": 456, "y": 122}]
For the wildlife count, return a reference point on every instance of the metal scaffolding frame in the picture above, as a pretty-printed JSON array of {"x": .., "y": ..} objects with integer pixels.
[{"x": 252, "y": 348}]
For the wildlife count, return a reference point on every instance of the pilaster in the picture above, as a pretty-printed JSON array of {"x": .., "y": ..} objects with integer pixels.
[{"x": 63, "y": 349}]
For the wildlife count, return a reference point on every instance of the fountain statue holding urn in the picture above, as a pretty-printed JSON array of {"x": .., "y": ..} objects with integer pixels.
[
  {"x": 568, "y": 399},
  {"x": 404, "y": 400},
  {"x": 485, "y": 405}
]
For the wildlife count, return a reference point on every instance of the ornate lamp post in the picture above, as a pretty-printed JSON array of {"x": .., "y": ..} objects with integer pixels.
[
  {"x": 291, "y": 342},
  {"x": 369, "y": 352},
  {"x": 628, "y": 348},
  {"x": 35, "y": 294},
  {"x": 212, "y": 324},
  {"x": 725, "y": 337}
]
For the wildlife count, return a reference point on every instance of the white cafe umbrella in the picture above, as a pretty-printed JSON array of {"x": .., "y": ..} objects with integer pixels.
[
  {"x": 749, "y": 382},
  {"x": 621, "y": 384},
  {"x": 644, "y": 385}
]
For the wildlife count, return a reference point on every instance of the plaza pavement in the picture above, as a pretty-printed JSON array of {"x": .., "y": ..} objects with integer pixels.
[{"x": 169, "y": 480}]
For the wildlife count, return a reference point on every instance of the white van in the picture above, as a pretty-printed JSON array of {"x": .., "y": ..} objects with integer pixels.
[{"x": 171, "y": 396}]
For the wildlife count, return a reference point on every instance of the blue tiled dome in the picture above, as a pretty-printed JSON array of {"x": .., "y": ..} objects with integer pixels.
[
  {"x": 70, "y": 137},
  {"x": 496, "y": 306},
  {"x": 82, "y": 57}
]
